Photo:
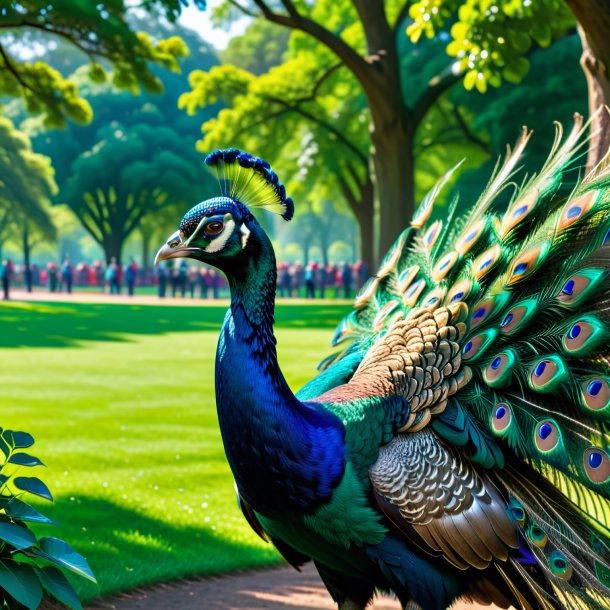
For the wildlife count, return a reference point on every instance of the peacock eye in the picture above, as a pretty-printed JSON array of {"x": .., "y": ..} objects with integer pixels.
[{"x": 214, "y": 228}]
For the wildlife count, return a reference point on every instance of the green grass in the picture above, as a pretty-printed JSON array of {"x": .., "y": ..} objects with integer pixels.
[{"x": 120, "y": 400}]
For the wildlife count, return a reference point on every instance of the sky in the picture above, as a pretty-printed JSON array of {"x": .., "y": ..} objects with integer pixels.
[{"x": 201, "y": 22}]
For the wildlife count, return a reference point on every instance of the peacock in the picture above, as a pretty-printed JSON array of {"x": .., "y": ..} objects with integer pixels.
[{"x": 457, "y": 444}]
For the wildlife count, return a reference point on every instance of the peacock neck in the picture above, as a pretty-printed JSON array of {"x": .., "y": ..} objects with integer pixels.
[{"x": 280, "y": 450}]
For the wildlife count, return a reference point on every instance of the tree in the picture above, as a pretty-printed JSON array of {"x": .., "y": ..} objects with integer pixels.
[
  {"x": 492, "y": 42},
  {"x": 259, "y": 49},
  {"x": 132, "y": 139},
  {"x": 26, "y": 186},
  {"x": 282, "y": 101},
  {"x": 309, "y": 117},
  {"x": 101, "y": 31},
  {"x": 320, "y": 226},
  {"x": 362, "y": 35}
]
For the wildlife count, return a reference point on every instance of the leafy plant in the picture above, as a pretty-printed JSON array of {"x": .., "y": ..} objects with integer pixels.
[{"x": 29, "y": 566}]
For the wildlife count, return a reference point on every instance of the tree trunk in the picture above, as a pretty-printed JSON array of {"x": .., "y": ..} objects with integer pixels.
[
  {"x": 365, "y": 217},
  {"x": 392, "y": 125},
  {"x": 394, "y": 177},
  {"x": 306, "y": 248},
  {"x": 113, "y": 247},
  {"x": 27, "y": 273},
  {"x": 145, "y": 249},
  {"x": 594, "y": 19}
]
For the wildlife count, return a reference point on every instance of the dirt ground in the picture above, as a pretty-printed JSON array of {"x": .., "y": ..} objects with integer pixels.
[{"x": 278, "y": 589}]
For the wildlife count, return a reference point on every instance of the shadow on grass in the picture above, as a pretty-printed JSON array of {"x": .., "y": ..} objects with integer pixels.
[
  {"x": 65, "y": 325},
  {"x": 127, "y": 549}
]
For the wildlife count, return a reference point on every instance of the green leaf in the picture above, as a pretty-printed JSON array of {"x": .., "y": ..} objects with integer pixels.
[
  {"x": 470, "y": 79},
  {"x": 18, "y": 440},
  {"x": 54, "y": 581},
  {"x": 24, "y": 512},
  {"x": 4, "y": 447},
  {"x": 516, "y": 70},
  {"x": 25, "y": 459},
  {"x": 520, "y": 41},
  {"x": 20, "y": 582},
  {"x": 16, "y": 535},
  {"x": 542, "y": 34},
  {"x": 62, "y": 554},
  {"x": 34, "y": 486}
]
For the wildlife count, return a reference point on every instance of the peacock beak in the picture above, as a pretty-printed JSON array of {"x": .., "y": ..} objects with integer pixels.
[{"x": 173, "y": 248}]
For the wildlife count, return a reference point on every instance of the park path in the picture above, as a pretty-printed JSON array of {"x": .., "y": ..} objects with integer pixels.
[
  {"x": 277, "y": 589},
  {"x": 146, "y": 299}
]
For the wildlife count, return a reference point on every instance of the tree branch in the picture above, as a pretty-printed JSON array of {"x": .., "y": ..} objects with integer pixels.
[
  {"x": 291, "y": 8},
  {"x": 468, "y": 133},
  {"x": 295, "y": 107},
  {"x": 436, "y": 87},
  {"x": 13, "y": 70},
  {"x": 242, "y": 8},
  {"x": 337, "y": 45},
  {"x": 330, "y": 128}
]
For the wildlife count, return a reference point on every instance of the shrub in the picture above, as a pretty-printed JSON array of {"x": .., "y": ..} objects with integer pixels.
[{"x": 30, "y": 566}]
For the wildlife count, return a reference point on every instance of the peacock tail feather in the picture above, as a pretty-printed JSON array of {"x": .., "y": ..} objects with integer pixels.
[{"x": 532, "y": 269}]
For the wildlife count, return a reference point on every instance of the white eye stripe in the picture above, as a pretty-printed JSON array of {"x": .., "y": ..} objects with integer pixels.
[{"x": 245, "y": 234}]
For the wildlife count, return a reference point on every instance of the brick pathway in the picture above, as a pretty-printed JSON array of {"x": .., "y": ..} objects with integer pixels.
[{"x": 279, "y": 589}]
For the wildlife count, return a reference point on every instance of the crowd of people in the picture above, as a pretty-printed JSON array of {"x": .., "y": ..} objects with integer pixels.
[
  {"x": 181, "y": 279},
  {"x": 316, "y": 280}
]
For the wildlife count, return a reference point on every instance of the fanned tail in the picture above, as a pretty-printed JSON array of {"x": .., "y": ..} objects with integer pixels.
[{"x": 535, "y": 277}]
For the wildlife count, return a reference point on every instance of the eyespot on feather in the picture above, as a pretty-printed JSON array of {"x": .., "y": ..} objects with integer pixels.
[
  {"x": 486, "y": 261},
  {"x": 577, "y": 288},
  {"x": 584, "y": 335},
  {"x": 518, "y": 212},
  {"x": 383, "y": 313},
  {"x": 434, "y": 297},
  {"x": 501, "y": 418},
  {"x": 459, "y": 291},
  {"x": 499, "y": 371},
  {"x": 431, "y": 235},
  {"x": 546, "y": 436},
  {"x": 393, "y": 256},
  {"x": 487, "y": 307},
  {"x": 597, "y": 465},
  {"x": 560, "y": 565},
  {"x": 470, "y": 236},
  {"x": 517, "y": 317},
  {"x": 412, "y": 293},
  {"x": 366, "y": 292},
  {"x": 406, "y": 278},
  {"x": 576, "y": 208},
  {"x": 444, "y": 266},
  {"x": 525, "y": 264},
  {"x": 547, "y": 373},
  {"x": 476, "y": 346},
  {"x": 516, "y": 511},
  {"x": 537, "y": 536},
  {"x": 595, "y": 393}
]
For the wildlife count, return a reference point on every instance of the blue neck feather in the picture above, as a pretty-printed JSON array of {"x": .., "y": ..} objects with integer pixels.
[{"x": 285, "y": 454}]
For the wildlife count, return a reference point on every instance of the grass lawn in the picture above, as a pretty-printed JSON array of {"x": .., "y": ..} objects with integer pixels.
[{"x": 120, "y": 400}]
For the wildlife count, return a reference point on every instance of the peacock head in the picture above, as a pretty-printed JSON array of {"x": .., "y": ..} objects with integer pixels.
[{"x": 223, "y": 229}]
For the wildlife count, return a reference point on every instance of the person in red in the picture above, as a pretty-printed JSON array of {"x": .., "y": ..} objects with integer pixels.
[{"x": 131, "y": 274}]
